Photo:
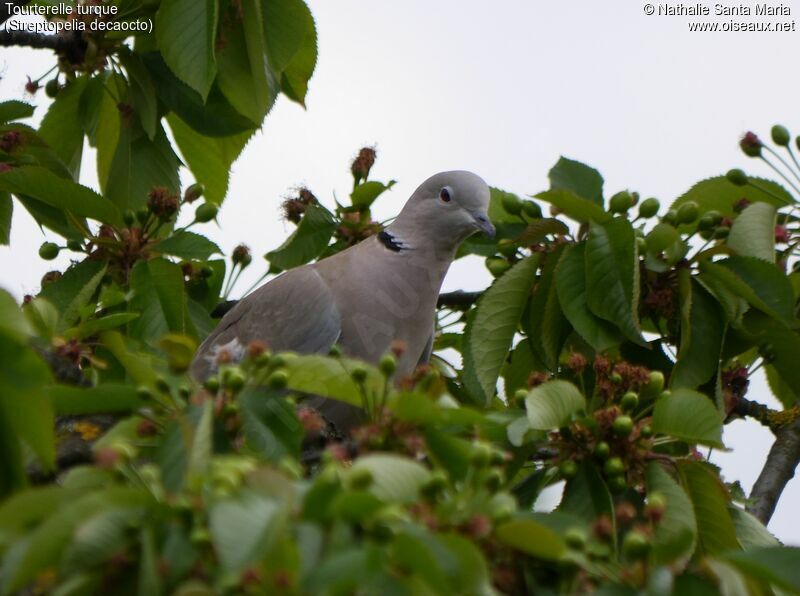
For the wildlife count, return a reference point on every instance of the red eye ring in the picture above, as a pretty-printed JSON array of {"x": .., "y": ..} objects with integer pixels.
[{"x": 444, "y": 194}]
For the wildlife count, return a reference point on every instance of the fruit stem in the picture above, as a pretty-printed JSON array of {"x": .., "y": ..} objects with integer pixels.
[
  {"x": 783, "y": 161},
  {"x": 780, "y": 173}
]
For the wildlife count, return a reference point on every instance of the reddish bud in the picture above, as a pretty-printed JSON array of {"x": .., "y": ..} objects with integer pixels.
[
  {"x": 363, "y": 163},
  {"x": 751, "y": 145}
]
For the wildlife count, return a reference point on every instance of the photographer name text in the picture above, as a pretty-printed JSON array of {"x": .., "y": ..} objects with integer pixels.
[{"x": 724, "y": 10}]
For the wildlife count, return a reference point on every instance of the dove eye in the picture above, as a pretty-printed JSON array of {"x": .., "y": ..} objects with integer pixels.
[{"x": 444, "y": 194}]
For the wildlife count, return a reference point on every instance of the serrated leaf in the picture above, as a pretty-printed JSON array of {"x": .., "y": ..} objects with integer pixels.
[
  {"x": 15, "y": 110},
  {"x": 490, "y": 333},
  {"x": 61, "y": 293},
  {"x": 330, "y": 377},
  {"x": 243, "y": 528},
  {"x": 612, "y": 276},
  {"x": 571, "y": 286},
  {"x": 583, "y": 180},
  {"x": 719, "y": 194},
  {"x": 187, "y": 245},
  {"x": 688, "y": 415},
  {"x": 214, "y": 117},
  {"x": 105, "y": 398},
  {"x": 784, "y": 342},
  {"x": 365, "y": 194},
  {"x": 779, "y": 566},
  {"x": 395, "y": 479},
  {"x": 676, "y": 533},
  {"x": 209, "y": 159},
  {"x": 761, "y": 284},
  {"x": 72, "y": 312},
  {"x": 62, "y": 130},
  {"x": 42, "y": 185},
  {"x": 245, "y": 76},
  {"x": 552, "y": 404},
  {"x": 575, "y": 207},
  {"x": 539, "y": 228},
  {"x": 716, "y": 533},
  {"x": 142, "y": 92},
  {"x": 586, "y": 495},
  {"x": 547, "y": 327},
  {"x": 139, "y": 165},
  {"x": 270, "y": 424},
  {"x": 94, "y": 326},
  {"x": 750, "y": 532},
  {"x": 702, "y": 332},
  {"x": 753, "y": 232},
  {"x": 307, "y": 242},
  {"x": 186, "y": 32},
  {"x": 532, "y": 538},
  {"x": 160, "y": 298},
  {"x": 780, "y": 388}
]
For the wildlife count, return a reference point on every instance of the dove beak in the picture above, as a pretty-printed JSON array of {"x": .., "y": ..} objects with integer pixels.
[{"x": 483, "y": 224}]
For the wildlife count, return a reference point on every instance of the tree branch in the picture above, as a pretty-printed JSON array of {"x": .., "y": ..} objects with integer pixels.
[
  {"x": 778, "y": 470},
  {"x": 5, "y": 14},
  {"x": 458, "y": 299}
]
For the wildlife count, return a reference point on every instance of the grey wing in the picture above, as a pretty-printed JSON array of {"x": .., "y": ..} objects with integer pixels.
[
  {"x": 426, "y": 353},
  {"x": 294, "y": 312}
]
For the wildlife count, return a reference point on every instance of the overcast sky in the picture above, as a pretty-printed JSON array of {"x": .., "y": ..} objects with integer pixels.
[{"x": 501, "y": 88}]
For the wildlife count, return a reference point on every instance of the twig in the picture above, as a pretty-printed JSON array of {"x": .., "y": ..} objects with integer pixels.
[
  {"x": 458, "y": 299},
  {"x": 70, "y": 46},
  {"x": 777, "y": 471}
]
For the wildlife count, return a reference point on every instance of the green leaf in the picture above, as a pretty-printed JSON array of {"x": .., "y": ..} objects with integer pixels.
[
  {"x": 214, "y": 117},
  {"x": 42, "y": 185},
  {"x": 142, "y": 92},
  {"x": 46, "y": 544},
  {"x": 539, "y": 228},
  {"x": 82, "y": 298},
  {"x": 329, "y": 377},
  {"x": 676, "y": 533},
  {"x": 139, "y": 165},
  {"x": 291, "y": 40},
  {"x": 94, "y": 326},
  {"x": 200, "y": 439},
  {"x": 584, "y": 181},
  {"x": 24, "y": 407},
  {"x": 769, "y": 288},
  {"x": 552, "y": 404},
  {"x": 546, "y": 326},
  {"x": 710, "y": 502},
  {"x": 365, "y": 194},
  {"x": 496, "y": 211},
  {"x": 521, "y": 363},
  {"x": 62, "y": 130},
  {"x": 6, "y": 211},
  {"x": 395, "y": 479},
  {"x": 490, "y": 333},
  {"x": 105, "y": 398},
  {"x": 753, "y": 232},
  {"x": 209, "y": 159},
  {"x": 243, "y": 529},
  {"x": 702, "y": 331},
  {"x": 186, "y": 33},
  {"x": 586, "y": 495},
  {"x": 532, "y": 538},
  {"x": 160, "y": 298},
  {"x": 571, "y": 285},
  {"x": 307, "y": 242},
  {"x": 780, "y": 388},
  {"x": 270, "y": 424},
  {"x": 15, "y": 110},
  {"x": 750, "y": 532},
  {"x": 785, "y": 344},
  {"x": 187, "y": 245},
  {"x": 63, "y": 292},
  {"x": 13, "y": 325},
  {"x": 575, "y": 207},
  {"x": 245, "y": 77},
  {"x": 718, "y": 194},
  {"x": 778, "y": 566},
  {"x": 612, "y": 276},
  {"x": 688, "y": 415}
]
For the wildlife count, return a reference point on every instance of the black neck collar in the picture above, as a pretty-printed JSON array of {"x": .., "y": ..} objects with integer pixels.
[{"x": 389, "y": 241}]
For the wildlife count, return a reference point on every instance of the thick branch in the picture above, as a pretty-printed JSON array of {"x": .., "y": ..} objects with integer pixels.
[
  {"x": 778, "y": 470},
  {"x": 459, "y": 299},
  {"x": 5, "y": 14}
]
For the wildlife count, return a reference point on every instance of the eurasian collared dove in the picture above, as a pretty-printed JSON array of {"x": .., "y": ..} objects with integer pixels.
[{"x": 363, "y": 298}]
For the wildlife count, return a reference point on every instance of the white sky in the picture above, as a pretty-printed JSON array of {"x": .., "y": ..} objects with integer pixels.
[{"x": 501, "y": 88}]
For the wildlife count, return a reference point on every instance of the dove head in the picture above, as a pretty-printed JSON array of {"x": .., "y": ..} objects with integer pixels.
[{"x": 445, "y": 209}]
